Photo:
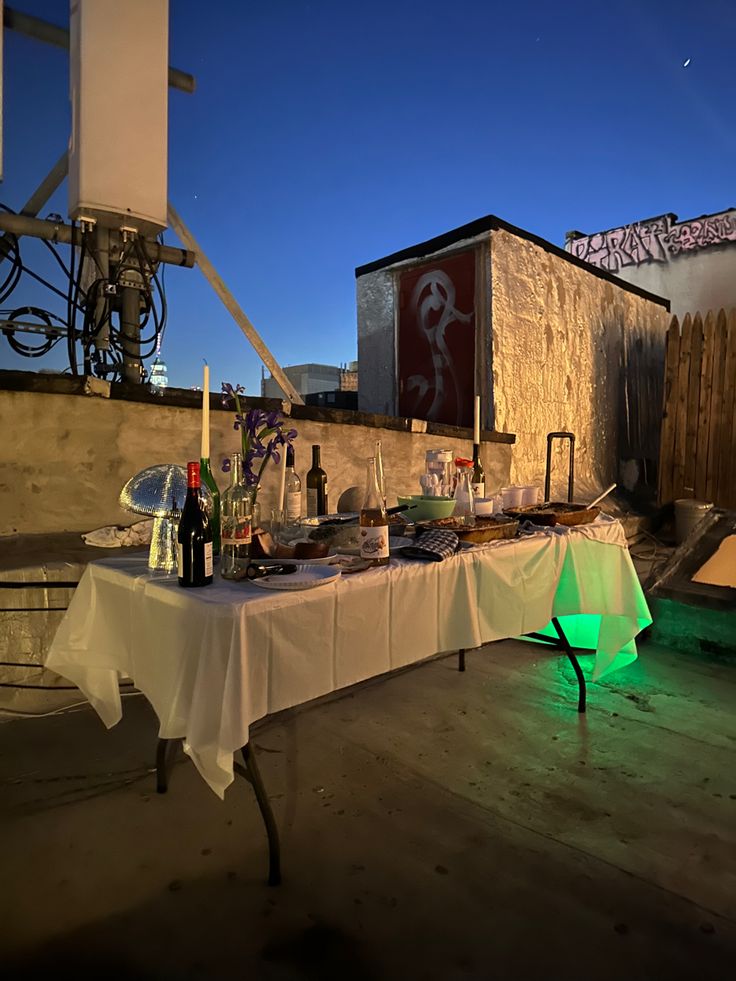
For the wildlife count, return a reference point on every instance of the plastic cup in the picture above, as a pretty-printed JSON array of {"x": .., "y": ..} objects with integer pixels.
[{"x": 512, "y": 496}]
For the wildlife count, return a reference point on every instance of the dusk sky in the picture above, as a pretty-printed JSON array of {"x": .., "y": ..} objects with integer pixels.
[{"x": 324, "y": 135}]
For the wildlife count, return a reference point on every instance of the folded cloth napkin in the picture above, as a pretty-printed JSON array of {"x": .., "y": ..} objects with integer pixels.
[
  {"x": 115, "y": 536},
  {"x": 435, "y": 545}
]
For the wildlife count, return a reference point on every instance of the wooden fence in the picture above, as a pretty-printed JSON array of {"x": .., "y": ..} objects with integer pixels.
[{"x": 698, "y": 444}]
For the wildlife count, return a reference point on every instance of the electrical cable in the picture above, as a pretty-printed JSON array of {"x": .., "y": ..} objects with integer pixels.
[
  {"x": 27, "y": 350},
  {"x": 70, "y": 339}
]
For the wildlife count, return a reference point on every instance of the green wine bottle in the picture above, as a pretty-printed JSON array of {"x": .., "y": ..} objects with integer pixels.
[{"x": 208, "y": 480}]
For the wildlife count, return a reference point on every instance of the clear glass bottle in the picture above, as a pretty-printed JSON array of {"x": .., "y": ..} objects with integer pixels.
[
  {"x": 236, "y": 518},
  {"x": 293, "y": 491},
  {"x": 464, "y": 505},
  {"x": 374, "y": 531},
  {"x": 379, "y": 472}
]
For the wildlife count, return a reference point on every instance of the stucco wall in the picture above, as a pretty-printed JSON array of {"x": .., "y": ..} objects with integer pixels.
[
  {"x": 558, "y": 336},
  {"x": 64, "y": 458},
  {"x": 693, "y": 281}
]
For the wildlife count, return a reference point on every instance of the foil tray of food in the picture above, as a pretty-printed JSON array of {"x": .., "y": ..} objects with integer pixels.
[
  {"x": 484, "y": 529},
  {"x": 555, "y": 513}
]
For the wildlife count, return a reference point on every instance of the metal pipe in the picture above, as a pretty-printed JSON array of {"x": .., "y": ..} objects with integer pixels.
[
  {"x": 41, "y": 30},
  {"x": 41, "y": 195},
  {"x": 234, "y": 308},
  {"x": 131, "y": 331},
  {"x": 66, "y": 234}
]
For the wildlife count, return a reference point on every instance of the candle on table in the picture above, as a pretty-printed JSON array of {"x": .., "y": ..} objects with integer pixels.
[
  {"x": 476, "y": 420},
  {"x": 205, "y": 451}
]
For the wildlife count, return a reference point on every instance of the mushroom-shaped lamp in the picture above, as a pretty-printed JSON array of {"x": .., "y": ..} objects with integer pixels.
[{"x": 158, "y": 492}]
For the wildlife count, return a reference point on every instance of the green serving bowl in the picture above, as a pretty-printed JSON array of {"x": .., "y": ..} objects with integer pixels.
[{"x": 427, "y": 508}]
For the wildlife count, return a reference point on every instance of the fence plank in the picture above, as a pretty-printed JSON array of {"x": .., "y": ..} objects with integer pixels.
[
  {"x": 725, "y": 491},
  {"x": 706, "y": 387},
  {"x": 683, "y": 374},
  {"x": 669, "y": 402},
  {"x": 716, "y": 408},
  {"x": 693, "y": 397}
]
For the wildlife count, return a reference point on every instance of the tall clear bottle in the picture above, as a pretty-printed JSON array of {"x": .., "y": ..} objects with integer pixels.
[
  {"x": 236, "y": 520},
  {"x": 464, "y": 502},
  {"x": 380, "y": 475},
  {"x": 293, "y": 489},
  {"x": 373, "y": 521}
]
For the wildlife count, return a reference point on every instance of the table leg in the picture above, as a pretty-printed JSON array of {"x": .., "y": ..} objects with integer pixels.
[
  {"x": 565, "y": 644},
  {"x": 461, "y": 659},
  {"x": 163, "y": 764},
  {"x": 252, "y": 774}
]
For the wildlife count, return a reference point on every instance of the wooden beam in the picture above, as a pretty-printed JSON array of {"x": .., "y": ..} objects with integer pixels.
[{"x": 233, "y": 307}]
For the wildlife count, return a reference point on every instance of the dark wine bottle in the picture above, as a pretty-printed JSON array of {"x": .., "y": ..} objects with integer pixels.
[
  {"x": 316, "y": 486},
  {"x": 478, "y": 478},
  {"x": 195, "y": 536}
]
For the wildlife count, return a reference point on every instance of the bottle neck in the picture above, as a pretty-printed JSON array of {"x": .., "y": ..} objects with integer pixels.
[
  {"x": 373, "y": 499},
  {"x": 236, "y": 469},
  {"x": 476, "y": 452},
  {"x": 194, "y": 481},
  {"x": 316, "y": 457}
]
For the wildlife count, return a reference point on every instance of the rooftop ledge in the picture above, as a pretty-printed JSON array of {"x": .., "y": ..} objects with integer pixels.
[{"x": 184, "y": 398}]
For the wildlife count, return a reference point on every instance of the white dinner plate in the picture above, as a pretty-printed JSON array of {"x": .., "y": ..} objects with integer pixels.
[
  {"x": 395, "y": 542},
  {"x": 306, "y": 578},
  {"x": 321, "y": 518},
  {"x": 325, "y": 560}
]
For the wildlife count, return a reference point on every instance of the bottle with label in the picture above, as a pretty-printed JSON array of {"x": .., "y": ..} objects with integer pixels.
[
  {"x": 194, "y": 538},
  {"x": 316, "y": 486},
  {"x": 208, "y": 480},
  {"x": 374, "y": 529},
  {"x": 293, "y": 489},
  {"x": 478, "y": 480},
  {"x": 235, "y": 524}
]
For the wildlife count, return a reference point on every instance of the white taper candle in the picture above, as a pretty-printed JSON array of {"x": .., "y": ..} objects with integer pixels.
[
  {"x": 205, "y": 451},
  {"x": 476, "y": 420}
]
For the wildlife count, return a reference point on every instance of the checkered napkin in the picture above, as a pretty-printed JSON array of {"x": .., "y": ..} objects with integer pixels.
[{"x": 433, "y": 545}]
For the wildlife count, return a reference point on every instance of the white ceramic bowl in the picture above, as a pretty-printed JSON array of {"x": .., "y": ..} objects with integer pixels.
[{"x": 483, "y": 506}]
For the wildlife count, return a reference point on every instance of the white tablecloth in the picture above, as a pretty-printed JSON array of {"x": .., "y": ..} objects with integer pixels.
[{"x": 212, "y": 661}]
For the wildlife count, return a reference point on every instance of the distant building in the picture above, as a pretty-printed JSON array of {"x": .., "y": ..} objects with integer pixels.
[
  {"x": 311, "y": 379},
  {"x": 692, "y": 263},
  {"x": 159, "y": 373}
]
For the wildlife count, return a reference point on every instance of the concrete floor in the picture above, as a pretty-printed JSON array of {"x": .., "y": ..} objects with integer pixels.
[{"x": 435, "y": 825}]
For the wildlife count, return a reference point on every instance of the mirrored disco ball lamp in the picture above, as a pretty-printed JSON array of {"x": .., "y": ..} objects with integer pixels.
[{"x": 159, "y": 492}]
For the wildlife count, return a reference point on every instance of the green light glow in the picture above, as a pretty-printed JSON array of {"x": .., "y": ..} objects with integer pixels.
[{"x": 581, "y": 630}]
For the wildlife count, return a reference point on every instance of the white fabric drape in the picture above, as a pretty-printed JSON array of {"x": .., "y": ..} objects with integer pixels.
[{"x": 212, "y": 661}]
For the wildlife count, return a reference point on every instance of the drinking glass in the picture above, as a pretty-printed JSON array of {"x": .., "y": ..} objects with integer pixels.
[{"x": 278, "y": 522}]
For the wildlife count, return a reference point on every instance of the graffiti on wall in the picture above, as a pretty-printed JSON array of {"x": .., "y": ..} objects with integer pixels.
[{"x": 655, "y": 240}]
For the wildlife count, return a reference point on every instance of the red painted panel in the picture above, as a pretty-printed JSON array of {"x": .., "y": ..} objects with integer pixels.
[{"x": 436, "y": 343}]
